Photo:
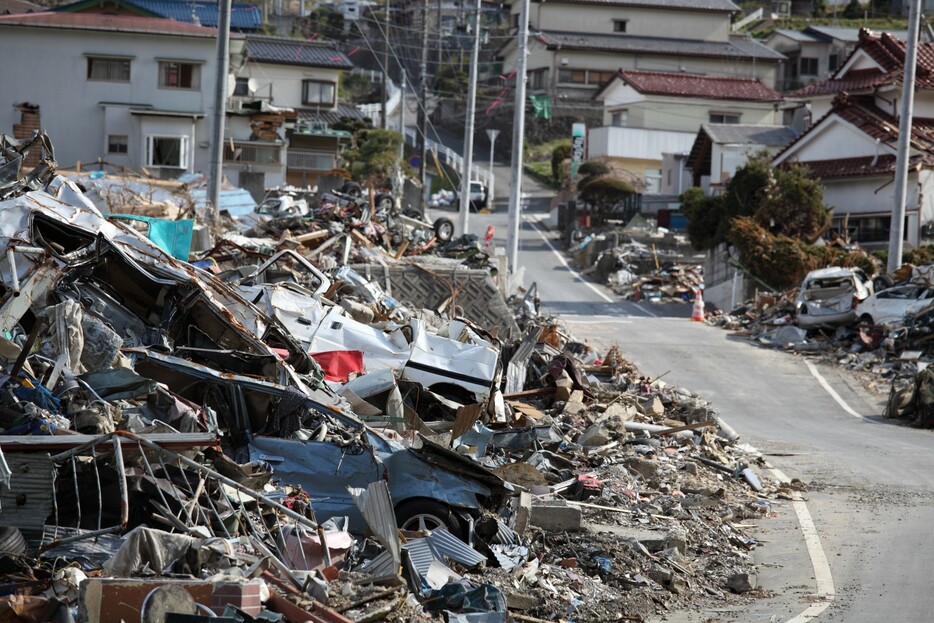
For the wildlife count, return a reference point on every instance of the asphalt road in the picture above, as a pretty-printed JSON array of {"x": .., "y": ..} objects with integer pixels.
[{"x": 870, "y": 482}]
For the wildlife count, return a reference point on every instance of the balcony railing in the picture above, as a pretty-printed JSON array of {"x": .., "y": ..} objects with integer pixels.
[
  {"x": 311, "y": 160},
  {"x": 253, "y": 153}
]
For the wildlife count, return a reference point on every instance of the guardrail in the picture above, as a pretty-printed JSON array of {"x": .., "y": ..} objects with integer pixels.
[
  {"x": 752, "y": 17},
  {"x": 451, "y": 158}
]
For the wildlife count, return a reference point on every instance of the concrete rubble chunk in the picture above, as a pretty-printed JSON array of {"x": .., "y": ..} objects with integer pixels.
[
  {"x": 556, "y": 515},
  {"x": 595, "y": 435},
  {"x": 740, "y": 583}
]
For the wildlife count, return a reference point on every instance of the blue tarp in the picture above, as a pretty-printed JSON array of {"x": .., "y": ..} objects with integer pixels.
[{"x": 173, "y": 237}]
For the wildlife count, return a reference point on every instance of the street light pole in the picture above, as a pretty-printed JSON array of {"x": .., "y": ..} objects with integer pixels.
[
  {"x": 491, "y": 134},
  {"x": 469, "y": 127},
  {"x": 518, "y": 130}
]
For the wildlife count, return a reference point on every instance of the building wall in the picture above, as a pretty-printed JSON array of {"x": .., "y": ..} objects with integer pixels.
[
  {"x": 874, "y": 196},
  {"x": 836, "y": 140},
  {"x": 680, "y": 114},
  {"x": 553, "y": 60},
  {"x": 55, "y": 78},
  {"x": 645, "y": 22},
  {"x": 637, "y": 143}
]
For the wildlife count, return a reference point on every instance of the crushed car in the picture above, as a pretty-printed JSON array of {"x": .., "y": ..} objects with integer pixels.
[{"x": 828, "y": 297}]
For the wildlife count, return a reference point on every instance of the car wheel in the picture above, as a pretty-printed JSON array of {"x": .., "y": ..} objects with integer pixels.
[
  {"x": 384, "y": 202},
  {"x": 444, "y": 229},
  {"x": 353, "y": 189},
  {"x": 866, "y": 319},
  {"x": 419, "y": 515}
]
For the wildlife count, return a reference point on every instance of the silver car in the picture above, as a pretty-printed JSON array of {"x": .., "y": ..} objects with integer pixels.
[{"x": 828, "y": 297}]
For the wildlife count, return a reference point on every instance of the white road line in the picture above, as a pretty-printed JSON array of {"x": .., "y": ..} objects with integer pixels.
[
  {"x": 577, "y": 275},
  {"x": 833, "y": 393},
  {"x": 822, "y": 576},
  {"x": 604, "y": 321}
]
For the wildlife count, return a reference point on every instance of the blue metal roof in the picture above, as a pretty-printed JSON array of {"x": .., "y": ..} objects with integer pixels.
[{"x": 243, "y": 16}]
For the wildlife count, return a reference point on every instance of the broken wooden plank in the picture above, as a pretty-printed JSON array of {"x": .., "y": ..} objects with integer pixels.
[{"x": 694, "y": 426}]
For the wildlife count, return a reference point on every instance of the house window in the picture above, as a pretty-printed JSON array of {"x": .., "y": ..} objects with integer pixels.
[
  {"x": 619, "y": 118},
  {"x": 600, "y": 77},
  {"x": 808, "y": 66},
  {"x": 317, "y": 92},
  {"x": 108, "y": 69},
  {"x": 118, "y": 144},
  {"x": 572, "y": 76},
  {"x": 720, "y": 117},
  {"x": 834, "y": 62},
  {"x": 174, "y": 75},
  {"x": 167, "y": 151},
  {"x": 619, "y": 25},
  {"x": 538, "y": 79},
  {"x": 242, "y": 87}
]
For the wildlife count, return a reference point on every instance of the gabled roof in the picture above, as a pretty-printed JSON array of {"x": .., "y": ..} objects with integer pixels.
[
  {"x": 738, "y": 48},
  {"x": 684, "y": 5},
  {"x": 692, "y": 85},
  {"x": 699, "y": 158},
  {"x": 243, "y": 16},
  {"x": 862, "y": 114},
  {"x": 117, "y": 23},
  {"x": 888, "y": 53},
  {"x": 285, "y": 51}
]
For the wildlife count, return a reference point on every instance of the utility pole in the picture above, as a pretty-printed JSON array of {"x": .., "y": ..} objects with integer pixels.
[
  {"x": 384, "y": 122},
  {"x": 215, "y": 172},
  {"x": 398, "y": 182},
  {"x": 423, "y": 108},
  {"x": 468, "y": 130},
  {"x": 440, "y": 51},
  {"x": 897, "y": 226},
  {"x": 518, "y": 130}
]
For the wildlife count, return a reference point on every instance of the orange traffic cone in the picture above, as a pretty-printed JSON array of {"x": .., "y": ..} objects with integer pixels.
[{"x": 697, "y": 314}]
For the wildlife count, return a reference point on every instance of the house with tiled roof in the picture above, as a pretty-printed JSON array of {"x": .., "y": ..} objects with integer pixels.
[
  {"x": 129, "y": 91},
  {"x": 650, "y": 113},
  {"x": 814, "y": 53},
  {"x": 577, "y": 46},
  {"x": 244, "y": 17},
  {"x": 852, "y": 151},
  {"x": 303, "y": 76},
  {"x": 852, "y": 141}
]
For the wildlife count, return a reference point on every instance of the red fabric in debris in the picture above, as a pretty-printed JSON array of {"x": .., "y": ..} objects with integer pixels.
[{"x": 339, "y": 364}]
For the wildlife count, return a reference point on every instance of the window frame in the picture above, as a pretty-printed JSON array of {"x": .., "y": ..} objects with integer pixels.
[
  {"x": 812, "y": 63},
  {"x": 194, "y": 77},
  {"x": 724, "y": 116},
  {"x": 125, "y": 144},
  {"x": 617, "y": 23},
  {"x": 623, "y": 116},
  {"x": 124, "y": 61},
  {"x": 184, "y": 150},
  {"x": 328, "y": 83}
]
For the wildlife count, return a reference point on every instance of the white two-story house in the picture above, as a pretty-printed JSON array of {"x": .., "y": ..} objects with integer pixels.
[
  {"x": 651, "y": 113},
  {"x": 134, "y": 92}
]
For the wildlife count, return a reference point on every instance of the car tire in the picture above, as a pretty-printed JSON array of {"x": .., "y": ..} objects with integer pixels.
[
  {"x": 444, "y": 229},
  {"x": 384, "y": 202},
  {"x": 422, "y": 514},
  {"x": 12, "y": 542},
  {"x": 353, "y": 189},
  {"x": 865, "y": 319}
]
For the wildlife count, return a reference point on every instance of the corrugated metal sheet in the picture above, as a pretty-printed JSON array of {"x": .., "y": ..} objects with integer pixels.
[
  {"x": 28, "y": 501},
  {"x": 94, "y": 550},
  {"x": 236, "y": 201},
  {"x": 376, "y": 506}
]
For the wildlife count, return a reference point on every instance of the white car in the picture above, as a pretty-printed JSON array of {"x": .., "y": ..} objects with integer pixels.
[
  {"x": 892, "y": 304},
  {"x": 828, "y": 297}
]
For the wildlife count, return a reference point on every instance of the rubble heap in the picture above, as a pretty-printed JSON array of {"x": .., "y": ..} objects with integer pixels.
[{"x": 255, "y": 437}]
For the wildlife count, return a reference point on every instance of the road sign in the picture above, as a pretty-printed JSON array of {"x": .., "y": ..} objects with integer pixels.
[
  {"x": 415, "y": 162},
  {"x": 578, "y": 140}
]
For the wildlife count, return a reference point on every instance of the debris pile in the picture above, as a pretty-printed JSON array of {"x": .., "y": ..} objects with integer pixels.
[{"x": 251, "y": 436}]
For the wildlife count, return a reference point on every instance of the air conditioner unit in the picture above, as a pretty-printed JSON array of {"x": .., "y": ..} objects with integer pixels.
[{"x": 564, "y": 62}]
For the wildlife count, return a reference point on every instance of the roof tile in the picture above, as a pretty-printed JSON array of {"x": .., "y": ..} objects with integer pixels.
[
  {"x": 287, "y": 51},
  {"x": 709, "y": 87},
  {"x": 122, "y": 23},
  {"x": 737, "y": 48}
]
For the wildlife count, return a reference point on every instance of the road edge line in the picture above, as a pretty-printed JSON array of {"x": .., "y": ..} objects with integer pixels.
[
  {"x": 833, "y": 393},
  {"x": 823, "y": 578},
  {"x": 577, "y": 275}
]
